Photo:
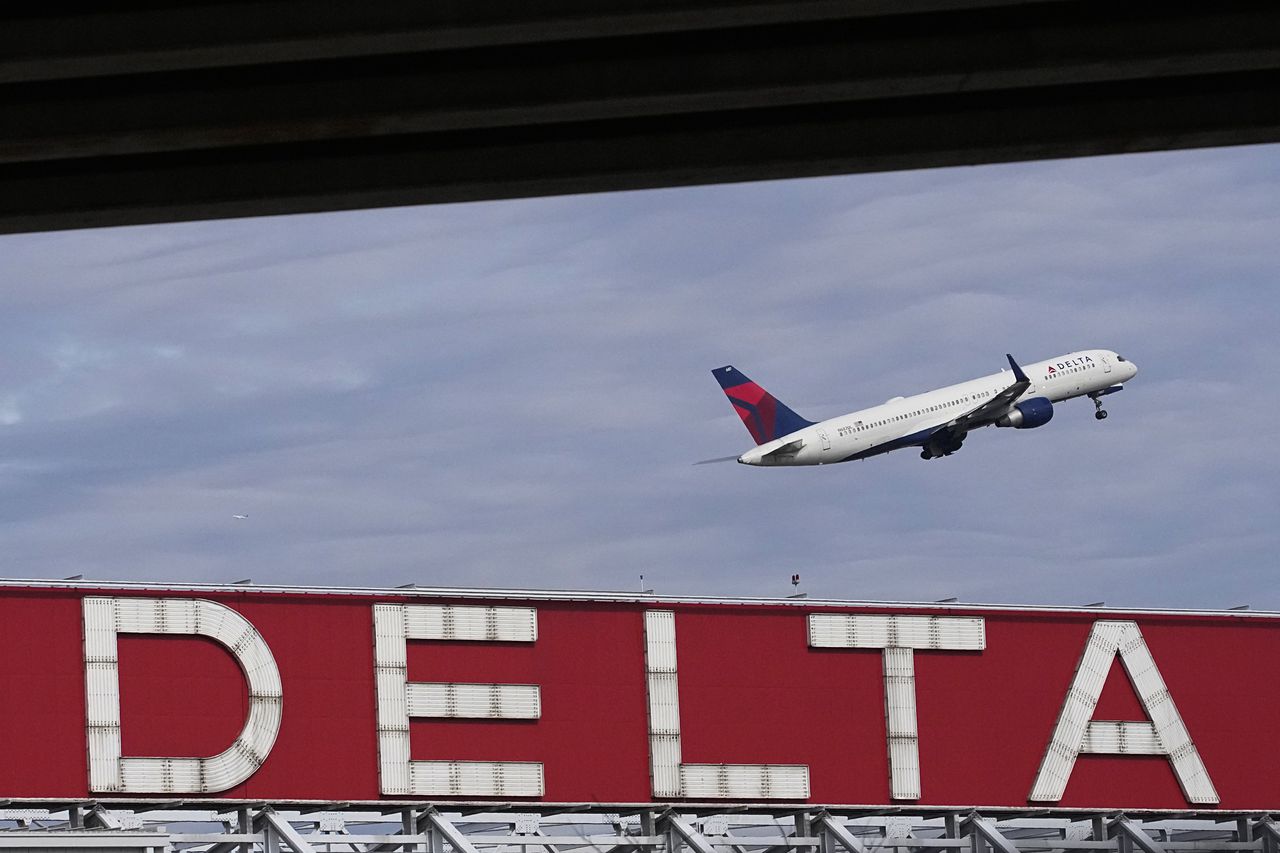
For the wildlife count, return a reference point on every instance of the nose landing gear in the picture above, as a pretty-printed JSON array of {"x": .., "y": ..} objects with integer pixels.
[{"x": 1100, "y": 413}]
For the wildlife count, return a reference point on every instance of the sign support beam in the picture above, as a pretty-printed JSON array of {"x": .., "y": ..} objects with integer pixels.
[
  {"x": 829, "y": 827},
  {"x": 686, "y": 833},
  {"x": 1266, "y": 831},
  {"x": 279, "y": 829},
  {"x": 451, "y": 833},
  {"x": 986, "y": 830},
  {"x": 1137, "y": 835}
]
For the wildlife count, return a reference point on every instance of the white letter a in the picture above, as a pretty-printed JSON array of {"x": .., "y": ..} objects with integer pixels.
[{"x": 1078, "y": 732}]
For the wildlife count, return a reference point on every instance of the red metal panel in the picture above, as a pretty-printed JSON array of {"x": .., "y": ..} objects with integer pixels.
[
  {"x": 751, "y": 691},
  {"x": 41, "y": 696},
  {"x": 178, "y": 696}
]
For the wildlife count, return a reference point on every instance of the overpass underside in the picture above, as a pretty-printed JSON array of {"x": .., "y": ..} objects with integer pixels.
[{"x": 150, "y": 113}]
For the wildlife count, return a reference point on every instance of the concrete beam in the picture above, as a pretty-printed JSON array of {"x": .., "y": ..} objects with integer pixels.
[{"x": 200, "y": 110}]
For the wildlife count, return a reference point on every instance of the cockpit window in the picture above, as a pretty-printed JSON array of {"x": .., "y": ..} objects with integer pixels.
[{"x": 1119, "y": 357}]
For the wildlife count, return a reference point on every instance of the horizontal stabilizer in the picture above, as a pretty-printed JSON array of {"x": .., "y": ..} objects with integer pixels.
[{"x": 785, "y": 449}]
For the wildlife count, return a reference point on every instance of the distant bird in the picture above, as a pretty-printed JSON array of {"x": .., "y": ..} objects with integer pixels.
[{"x": 240, "y": 517}]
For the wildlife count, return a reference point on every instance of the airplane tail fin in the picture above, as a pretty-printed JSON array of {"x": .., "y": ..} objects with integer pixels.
[{"x": 766, "y": 417}]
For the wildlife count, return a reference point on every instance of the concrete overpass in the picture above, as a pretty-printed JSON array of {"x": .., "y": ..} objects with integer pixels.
[{"x": 152, "y": 112}]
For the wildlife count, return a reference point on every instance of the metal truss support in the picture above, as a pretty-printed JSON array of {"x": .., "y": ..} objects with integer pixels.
[
  {"x": 984, "y": 829},
  {"x": 244, "y": 824},
  {"x": 97, "y": 816},
  {"x": 623, "y": 845},
  {"x": 1135, "y": 835},
  {"x": 281, "y": 830},
  {"x": 647, "y": 828},
  {"x": 677, "y": 830},
  {"x": 228, "y": 848},
  {"x": 832, "y": 831},
  {"x": 247, "y": 824},
  {"x": 413, "y": 823},
  {"x": 1269, "y": 834},
  {"x": 421, "y": 828},
  {"x": 802, "y": 827},
  {"x": 451, "y": 833}
]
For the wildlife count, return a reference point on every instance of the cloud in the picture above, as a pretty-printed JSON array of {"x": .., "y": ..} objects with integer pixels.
[{"x": 511, "y": 393}]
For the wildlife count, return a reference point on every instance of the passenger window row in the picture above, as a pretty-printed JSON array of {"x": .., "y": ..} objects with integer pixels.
[{"x": 874, "y": 424}]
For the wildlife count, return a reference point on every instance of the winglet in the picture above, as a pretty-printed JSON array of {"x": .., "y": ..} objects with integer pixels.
[{"x": 1017, "y": 371}]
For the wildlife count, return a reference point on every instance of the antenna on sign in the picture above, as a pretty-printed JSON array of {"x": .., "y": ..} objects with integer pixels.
[
  {"x": 644, "y": 591},
  {"x": 795, "y": 583}
]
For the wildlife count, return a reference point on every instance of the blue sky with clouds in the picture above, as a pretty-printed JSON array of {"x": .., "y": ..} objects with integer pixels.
[{"x": 512, "y": 393}]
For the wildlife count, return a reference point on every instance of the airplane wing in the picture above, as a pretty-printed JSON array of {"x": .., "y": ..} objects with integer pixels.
[{"x": 994, "y": 407}]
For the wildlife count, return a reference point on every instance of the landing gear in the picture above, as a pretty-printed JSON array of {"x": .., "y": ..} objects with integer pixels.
[
  {"x": 1100, "y": 413},
  {"x": 942, "y": 445}
]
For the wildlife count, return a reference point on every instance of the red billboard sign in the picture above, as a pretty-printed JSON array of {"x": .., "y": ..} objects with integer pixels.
[{"x": 287, "y": 695}]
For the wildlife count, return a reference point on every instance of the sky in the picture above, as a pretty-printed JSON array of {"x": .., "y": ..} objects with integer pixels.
[{"x": 512, "y": 394}]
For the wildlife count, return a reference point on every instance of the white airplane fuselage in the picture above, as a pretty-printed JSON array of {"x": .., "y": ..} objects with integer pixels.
[{"x": 909, "y": 421}]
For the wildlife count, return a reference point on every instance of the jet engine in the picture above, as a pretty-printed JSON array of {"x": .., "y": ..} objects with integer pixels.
[{"x": 1028, "y": 414}]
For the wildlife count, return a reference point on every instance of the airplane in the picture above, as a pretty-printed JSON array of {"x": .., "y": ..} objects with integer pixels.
[{"x": 935, "y": 421}]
